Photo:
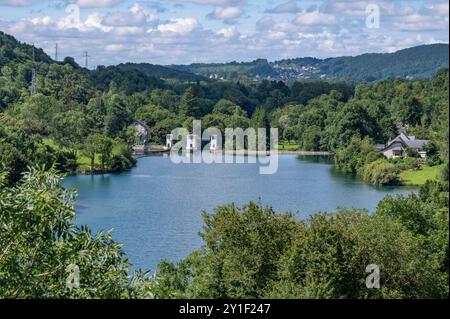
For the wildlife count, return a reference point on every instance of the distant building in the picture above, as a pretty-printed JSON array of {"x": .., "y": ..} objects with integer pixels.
[
  {"x": 191, "y": 143},
  {"x": 398, "y": 146},
  {"x": 169, "y": 142},
  {"x": 213, "y": 145}
]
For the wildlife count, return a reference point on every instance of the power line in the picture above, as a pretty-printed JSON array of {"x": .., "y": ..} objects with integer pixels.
[{"x": 86, "y": 59}]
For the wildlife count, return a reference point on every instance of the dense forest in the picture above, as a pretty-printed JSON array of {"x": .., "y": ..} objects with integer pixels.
[{"x": 79, "y": 120}]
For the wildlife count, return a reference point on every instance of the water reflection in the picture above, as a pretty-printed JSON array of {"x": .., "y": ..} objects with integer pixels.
[{"x": 155, "y": 209}]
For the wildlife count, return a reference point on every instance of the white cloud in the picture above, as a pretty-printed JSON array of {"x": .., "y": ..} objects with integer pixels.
[
  {"x": 137, "y": 34},
  {"x": 180, "y": 25},
  {"x": 212, "y": 2},
  {"x": 98, "y": 3},
  {"x": 315, "y": 18},
  {"x": 15, "y": 3},
  {"x": 265, "y": 23},
  {"x": 135, "y": 17},
  {"x": 229, "y": 33},
  {"x": 417, "y": 22},
  {"x": 114, "y": 47},
  {"x": 227, "y": 14},
  {"x": 287, "y": 7},
  {"x": 44, "y": 21}
]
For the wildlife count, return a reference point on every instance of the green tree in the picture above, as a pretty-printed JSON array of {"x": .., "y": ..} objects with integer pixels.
[
  {"x": 311, "y": 139},
  {"x": 353, "y": 158},
  {"x": 189, "y": 104},
  {"x": 152, "y": 114},
  {"x": 228, "y": 108},
  {"x": 91, "y": 147},
  {"x": 105, "y": 146},
  {"x": 411, "y": 111},
  {"x": 69, "y": 129},
  {"x": 38, "y": 243},
  {"x": 381, "y": 172},
  {"x": 117, "y": 115},
  {"x": 252, "y": 252}
]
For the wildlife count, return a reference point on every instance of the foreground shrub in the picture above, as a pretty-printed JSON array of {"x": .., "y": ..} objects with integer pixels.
[
  {"x": 381, "y": 172},
  {"x": 251, "y": 252},
  {"x": 39, "y": 245},
  {"x": 406, "y": 163}
]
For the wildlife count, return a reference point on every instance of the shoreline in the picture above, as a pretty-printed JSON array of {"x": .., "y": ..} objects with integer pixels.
[{"x": 243, "y": 152}]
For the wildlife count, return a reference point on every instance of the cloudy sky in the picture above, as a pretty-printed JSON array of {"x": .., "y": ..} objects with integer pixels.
[{"x": 187, "y": 31}]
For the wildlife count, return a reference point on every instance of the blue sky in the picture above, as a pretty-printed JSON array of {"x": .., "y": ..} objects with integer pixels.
[{"x": 187, "y": 31}]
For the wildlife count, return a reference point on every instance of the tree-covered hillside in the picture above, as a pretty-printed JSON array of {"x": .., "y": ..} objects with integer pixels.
[
  {"x": 162, "y": 72},
  {"x": 75, "y": 108},
  {"x": 413, "y": 63},
  {"x": 13, "y": 51}
]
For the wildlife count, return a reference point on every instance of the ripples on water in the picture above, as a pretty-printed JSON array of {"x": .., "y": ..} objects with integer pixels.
[{"x": 155, "y": 209}]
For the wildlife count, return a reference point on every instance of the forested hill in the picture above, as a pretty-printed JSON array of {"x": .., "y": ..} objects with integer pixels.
[
  {"x": 12, "y": 50},
  {"x": 414, "y": 63},
  {"x": 161, "y": 72},
  {"x": 418, "y": 62}
]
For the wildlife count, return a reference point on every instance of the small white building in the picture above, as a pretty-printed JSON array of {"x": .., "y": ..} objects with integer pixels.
[
  {"x": 191, "y": 143},
  {"x": 213, "y": 143},
  {"x": 169, "y": 141}
]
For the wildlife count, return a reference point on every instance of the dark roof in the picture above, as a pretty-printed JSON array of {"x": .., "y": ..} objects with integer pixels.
[
  {"x": 396, "y": 146},
  {"x": 409, "y": 141}
]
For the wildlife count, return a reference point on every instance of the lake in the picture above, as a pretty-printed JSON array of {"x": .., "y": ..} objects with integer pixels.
[{"x": 155, "y": 209}]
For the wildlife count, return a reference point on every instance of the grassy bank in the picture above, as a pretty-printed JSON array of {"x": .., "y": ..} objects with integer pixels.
[
  {"x": 83, "y": 162},
  {"x": 288, "y": 146},
  {"x": 420, "y": 176}
]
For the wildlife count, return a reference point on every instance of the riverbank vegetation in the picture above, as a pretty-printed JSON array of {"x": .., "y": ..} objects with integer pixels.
[
  {"x": 248, "y": 252},
  {"x": 252, "y": 252},
  {"x": 87, "y": 114}
]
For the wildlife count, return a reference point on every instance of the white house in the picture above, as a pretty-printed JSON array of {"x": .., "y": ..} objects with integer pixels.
[
  {"x": 399, "y": 146},
  {"x": 169, "y": 142},
  {"x": 213, "y": 143}
]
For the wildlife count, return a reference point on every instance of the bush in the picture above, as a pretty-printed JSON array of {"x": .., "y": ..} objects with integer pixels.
[
  {"x": 433, "y": 156},
  {"x": 353, "y": 158},
  {"x": 405, "y": 163},
  {"x": 251, "y": 252},
  {"x": 66, "y": 161},
  {"x": 434, "y": 160},
  {"x": 381, "y": 172},
  {"x": 122, "y": 158},
  {"x": 38, "y": 243}
]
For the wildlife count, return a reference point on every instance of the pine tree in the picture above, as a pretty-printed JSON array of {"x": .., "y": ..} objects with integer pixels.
[{"x": 189, "y": 103}]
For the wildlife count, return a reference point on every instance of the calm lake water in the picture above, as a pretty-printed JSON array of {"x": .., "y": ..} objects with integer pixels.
[{"x": 155, "y": 209}]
